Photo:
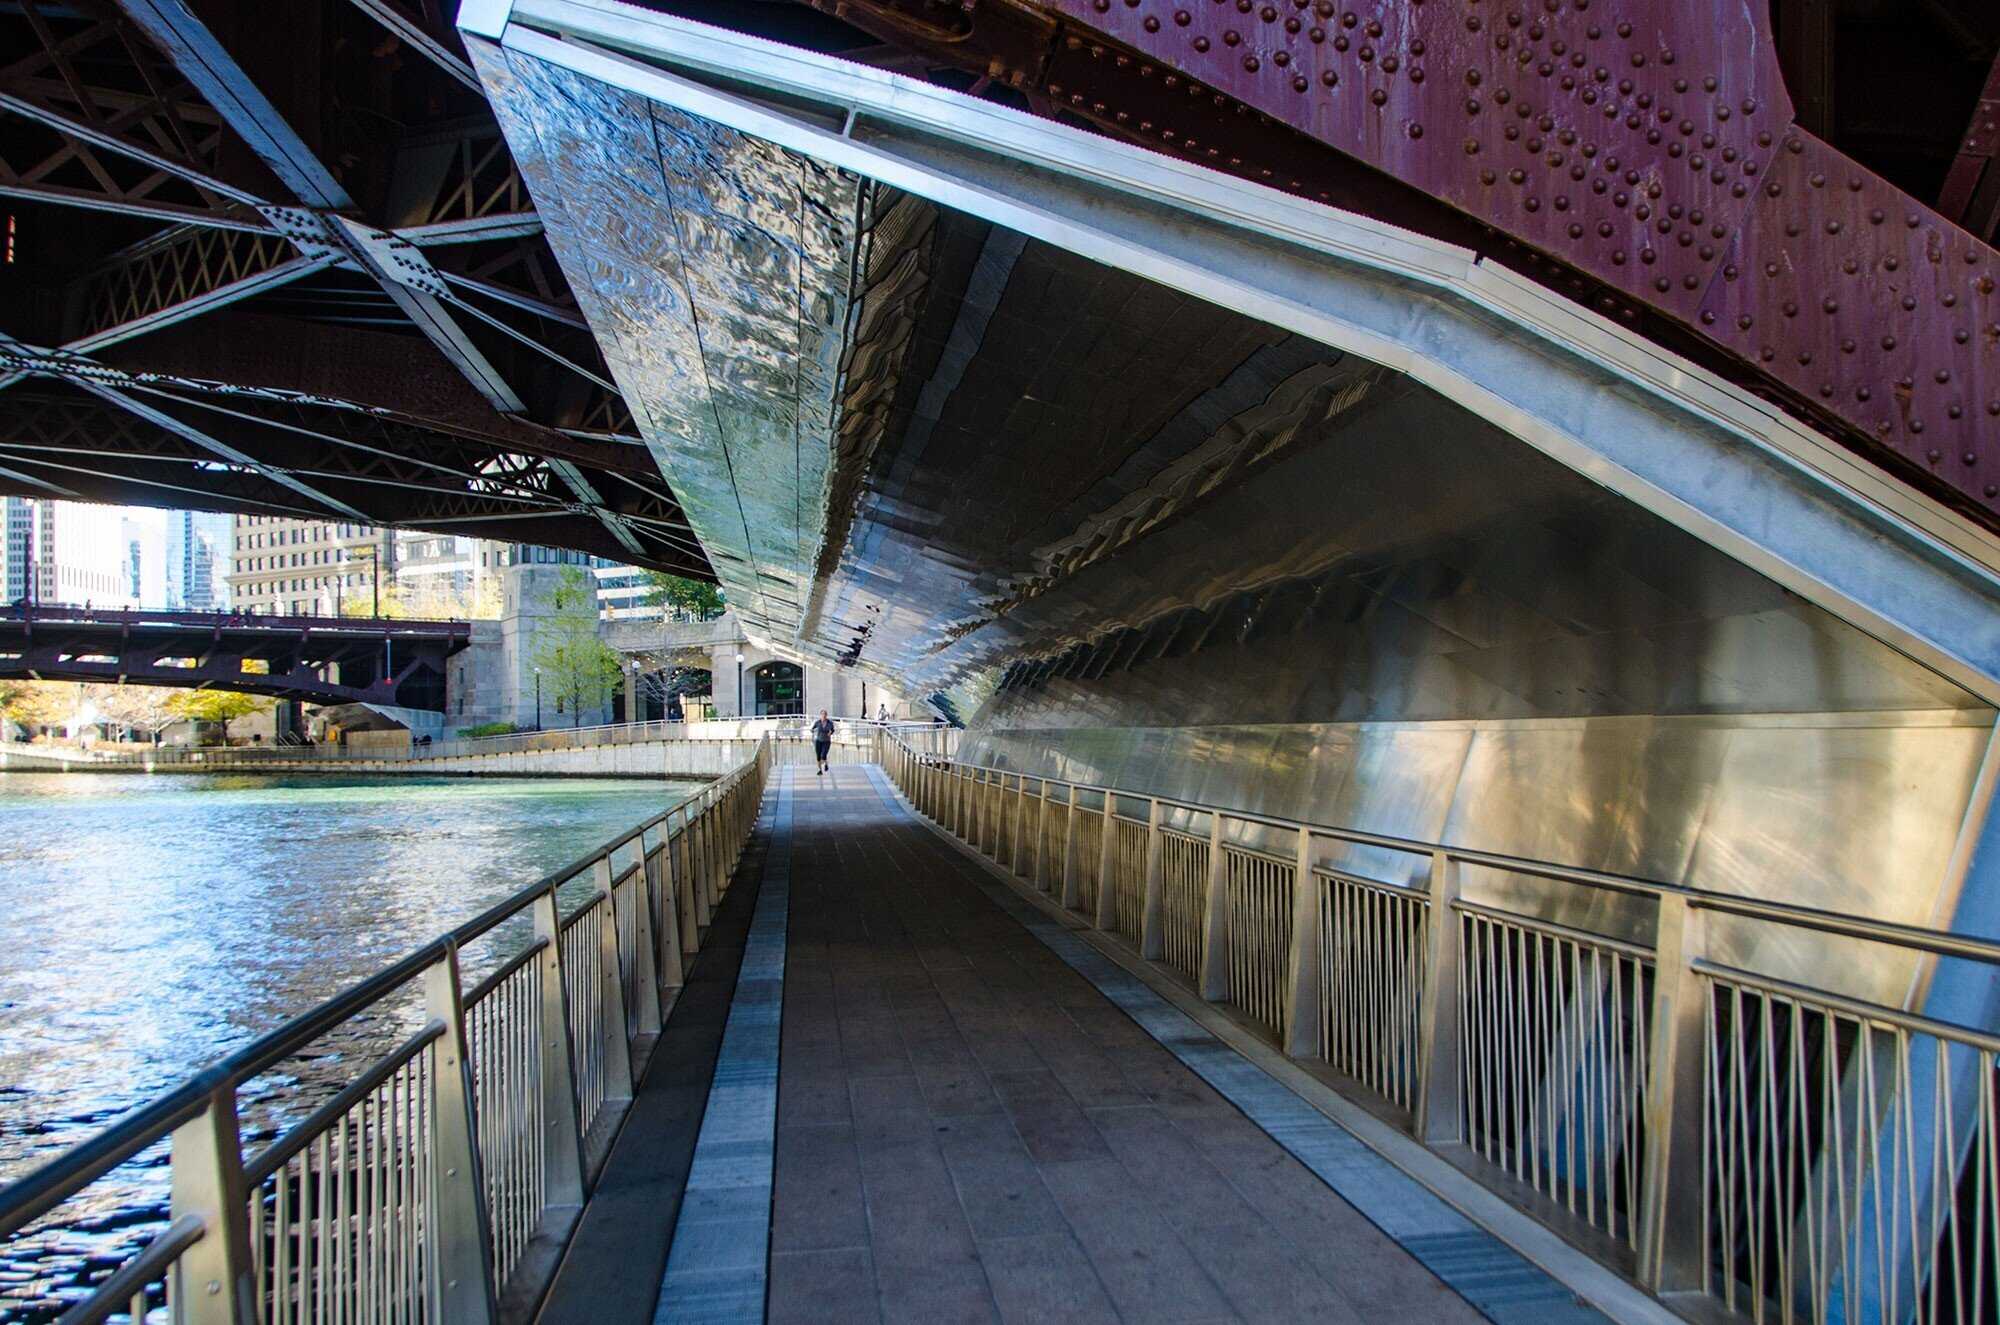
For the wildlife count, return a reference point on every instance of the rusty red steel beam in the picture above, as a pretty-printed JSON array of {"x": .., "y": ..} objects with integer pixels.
[
  {"x": 1647, "y": 147},
  {"x": 1971, "y": 195}
]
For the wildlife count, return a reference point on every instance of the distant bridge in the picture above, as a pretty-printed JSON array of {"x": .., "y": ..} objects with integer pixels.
[{"x": 319, "y": 660}]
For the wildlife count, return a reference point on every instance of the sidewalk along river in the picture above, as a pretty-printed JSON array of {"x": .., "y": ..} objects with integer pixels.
[{"x": 150, "y": 925}]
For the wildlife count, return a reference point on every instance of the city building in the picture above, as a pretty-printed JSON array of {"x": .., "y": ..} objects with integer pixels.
[
  {"x": 16, "y": 520},
  {"x": 307, "y": 567},
  {"x": 74, "y": 553},
  {"x": 195, "y": 542}
]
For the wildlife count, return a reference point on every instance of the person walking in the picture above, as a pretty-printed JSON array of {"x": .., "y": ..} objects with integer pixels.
[{"x": 822, "y": 734}]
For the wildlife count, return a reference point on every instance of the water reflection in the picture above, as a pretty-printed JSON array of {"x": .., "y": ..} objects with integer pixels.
[{"x": 150, "y": 924}]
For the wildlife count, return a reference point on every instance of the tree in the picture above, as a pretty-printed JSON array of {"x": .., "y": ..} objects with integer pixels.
[
  {"x": 146, "y": 707},
  {"x": 36, "y": 703},
  {"x": 695, "y": 597},
  {"x": 219, "y": 706},
  {"x": 573, "y": 660}
]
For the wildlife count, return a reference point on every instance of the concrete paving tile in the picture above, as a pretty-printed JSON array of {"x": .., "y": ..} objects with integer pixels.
[
  {"x": 870, "y": 1096},
  {"x": 1045, "y": 1279},
  {"x": 1264, "y": 1276},
  {"x": 812, "y": 1101},
  {"x": 950, "y": 1293},
  {"x": 1148, "y": 1272},
  {"x": 1020, "y": 1087},
  {"x": 1055, "y": 1130},
  {"x": 1187, "y": 1186},
  {"x": 812, "y": 1287},
  {"x": 817, "y": 1202},
  {"x": 914, "y": 1217}
]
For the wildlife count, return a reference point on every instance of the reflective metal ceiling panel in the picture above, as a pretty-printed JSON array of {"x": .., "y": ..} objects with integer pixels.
[{"x": 713, "y": 268}]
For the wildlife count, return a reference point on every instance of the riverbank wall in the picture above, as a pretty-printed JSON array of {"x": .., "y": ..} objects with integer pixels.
[{"x": 679, "y": 758}]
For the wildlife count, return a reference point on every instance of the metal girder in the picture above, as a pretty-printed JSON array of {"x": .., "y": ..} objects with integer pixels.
[
  {"x": 125, "y": 205},
  {"x": 200, "y": 57},
  {"x": 1650, "y": 149},
  {"x": 420, "y": 38},
  {"x": 472, "y": 229},
  {"x": 527, "y": 303},
  {"x": 103, "y": 137},
  {"x": 157, "y": 133},
  {"x": 161, "y": 419},
  {"x": 180, "y": 274},
  {"x": 194, "y": 50},
  {"x": 1971, "y": 193},
  {"x": 157, "y": 648}
]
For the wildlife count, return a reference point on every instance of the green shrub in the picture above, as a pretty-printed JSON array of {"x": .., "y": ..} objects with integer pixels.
[{"x": 489, "y": 729}]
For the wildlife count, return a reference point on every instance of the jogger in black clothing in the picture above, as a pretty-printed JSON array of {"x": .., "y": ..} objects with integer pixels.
[{"x": 822, "y": 733}]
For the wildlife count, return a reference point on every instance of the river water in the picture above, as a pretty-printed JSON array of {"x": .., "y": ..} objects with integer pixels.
[{"x": 149, "y": 925}]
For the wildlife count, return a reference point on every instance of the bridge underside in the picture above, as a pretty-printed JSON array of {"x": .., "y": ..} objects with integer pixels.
[
  {"x": 310, "y": 659},
  {"x": 295, "y": 273},
  {"x": 1177, "y": 484}
]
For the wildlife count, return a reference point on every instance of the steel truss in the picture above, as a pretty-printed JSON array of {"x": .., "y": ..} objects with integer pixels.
[{"x": 144, "y": 112}]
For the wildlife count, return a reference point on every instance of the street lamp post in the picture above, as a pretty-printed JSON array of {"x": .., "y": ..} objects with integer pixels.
[{"x": 538, "y": 699}]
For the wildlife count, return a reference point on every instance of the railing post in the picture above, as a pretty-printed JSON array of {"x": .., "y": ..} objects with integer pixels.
[
  {"x": 1107, "y": 863},
  {"x": 645, "y": 968},
  {"x": 1302, "y": 989},
  {"x": 982, "y": 810},
  {"x": 562, "y": 1150},
  {"x": 1018, "y": 823},
  {"x": 1671, "y": 1218},
  {"x": 1041, "y": 875},
  {"x": 614, "y": 1031},
  {"x": 711, "y": 867},
  {"x": 688, "y": 868},
  {"x": 1009, "y": 837},
  {"x": 1215, "y": 916},
  {"x": 464, "y": 1266},
  {"x": 1070, "y": 886},
  {"x": 1440, "y": 1108},
  {"x": 1152, "y": 915},
  {"x": 208, "y": 1184}
]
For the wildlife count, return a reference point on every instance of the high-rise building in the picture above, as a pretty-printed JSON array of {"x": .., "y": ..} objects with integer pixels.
[
  {"x": 16, "y": 519},
  {"x": 200, "y": 580},
  {"x": 72, "y": 553},
  {"x": 194, "y": 540},
  {"x": 307, "y": 567}
]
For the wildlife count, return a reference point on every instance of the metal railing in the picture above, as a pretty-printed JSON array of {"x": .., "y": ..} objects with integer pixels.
[
  {"x": 1784, "y": 1152},
  {"x": 440, "y": 1182},
  {"x": 552, "y": 738}
]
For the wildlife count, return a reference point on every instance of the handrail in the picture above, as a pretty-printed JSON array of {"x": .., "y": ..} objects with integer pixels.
[
  {"x": 1933, "y": 941},
  {"x": 544, "y": 739},
  {"x": 694, "y": 841}
]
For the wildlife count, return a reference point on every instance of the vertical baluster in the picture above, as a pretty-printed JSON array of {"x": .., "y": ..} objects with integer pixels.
[
  {"x": 464, "y": 1241},
  {"x": 1671, "y": 1223}
]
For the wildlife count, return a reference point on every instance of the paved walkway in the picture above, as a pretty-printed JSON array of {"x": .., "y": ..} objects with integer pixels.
[{"x": 969, "y": 1130}]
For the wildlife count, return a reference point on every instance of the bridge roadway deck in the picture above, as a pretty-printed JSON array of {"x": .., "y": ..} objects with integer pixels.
[{"x": 933, "y": 1104}]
